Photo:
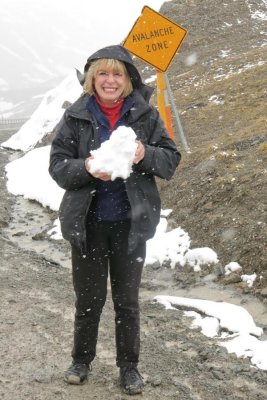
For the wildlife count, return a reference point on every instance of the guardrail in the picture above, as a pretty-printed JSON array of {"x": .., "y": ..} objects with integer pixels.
[
  {"x": 13, "y": 121},
  {"x": 12, "y": 125}
]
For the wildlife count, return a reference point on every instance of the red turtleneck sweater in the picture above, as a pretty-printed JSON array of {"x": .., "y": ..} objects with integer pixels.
[{"x": 112, "y": 113}]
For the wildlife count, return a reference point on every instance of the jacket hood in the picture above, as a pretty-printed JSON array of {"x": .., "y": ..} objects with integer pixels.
[{"x": 120, "y": 53}]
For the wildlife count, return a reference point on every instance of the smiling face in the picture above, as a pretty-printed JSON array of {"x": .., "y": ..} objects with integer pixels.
[
  {"x": 109, "y": 85},
  {"x": 108, "y": 79}
]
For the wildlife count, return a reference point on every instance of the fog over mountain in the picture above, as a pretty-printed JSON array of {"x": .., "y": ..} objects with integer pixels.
[{"x": 43, "y": 41}]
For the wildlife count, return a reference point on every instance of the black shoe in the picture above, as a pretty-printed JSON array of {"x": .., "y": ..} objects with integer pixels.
[
  {"x": 77, "y": 373},
  {"x": 131, "y": 380}
]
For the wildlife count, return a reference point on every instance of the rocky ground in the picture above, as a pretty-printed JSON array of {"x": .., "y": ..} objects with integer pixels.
[
  {"x": 36, "y": 324},
  {"x": 218, "y": 196}
]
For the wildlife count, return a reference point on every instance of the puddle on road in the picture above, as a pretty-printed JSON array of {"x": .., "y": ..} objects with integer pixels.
[
  {"x": 30, "y": 219},
  {"x": 214, "y": 292}
]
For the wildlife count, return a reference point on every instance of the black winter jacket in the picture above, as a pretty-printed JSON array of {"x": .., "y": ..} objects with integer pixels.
[{"x": 77, "y": 136}]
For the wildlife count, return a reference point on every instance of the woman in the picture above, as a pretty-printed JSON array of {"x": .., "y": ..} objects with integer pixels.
[{"x": 108, "y": 222}]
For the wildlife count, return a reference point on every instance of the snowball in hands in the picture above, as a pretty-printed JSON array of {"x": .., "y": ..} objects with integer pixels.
[{"x": 115, "y": 156}]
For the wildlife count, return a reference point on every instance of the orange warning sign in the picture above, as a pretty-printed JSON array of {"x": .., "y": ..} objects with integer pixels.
[{"x": 154, "y": 38}]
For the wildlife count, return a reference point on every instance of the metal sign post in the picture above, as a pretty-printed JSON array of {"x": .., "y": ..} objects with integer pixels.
[
  {"x": 176, "y": 115},
  {"x": 163, "y": 103}
]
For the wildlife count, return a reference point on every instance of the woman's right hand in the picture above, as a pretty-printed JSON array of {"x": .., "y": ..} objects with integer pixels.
[{"x": 99, "y": 175}]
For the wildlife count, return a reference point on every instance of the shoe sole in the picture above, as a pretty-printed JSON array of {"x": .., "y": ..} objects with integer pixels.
[{"x": 132, "y": 391}]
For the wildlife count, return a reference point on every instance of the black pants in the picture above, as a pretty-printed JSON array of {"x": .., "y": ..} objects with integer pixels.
[{"x": 107, "y": 250}]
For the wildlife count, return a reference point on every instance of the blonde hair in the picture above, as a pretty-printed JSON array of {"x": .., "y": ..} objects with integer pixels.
[{"x": 108, "y": 64}]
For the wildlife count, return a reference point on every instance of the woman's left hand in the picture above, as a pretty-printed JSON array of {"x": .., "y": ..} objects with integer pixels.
[{"x": 140, "y": 152}]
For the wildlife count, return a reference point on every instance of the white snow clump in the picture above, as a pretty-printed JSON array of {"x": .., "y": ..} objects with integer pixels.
[{"x": 115, "y": 156}]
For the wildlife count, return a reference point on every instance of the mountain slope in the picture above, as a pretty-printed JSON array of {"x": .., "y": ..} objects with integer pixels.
[{"x": 218, "y": 194}]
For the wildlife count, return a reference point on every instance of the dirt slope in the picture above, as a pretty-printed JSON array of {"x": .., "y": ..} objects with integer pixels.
[{"x": 219, "y": 192}]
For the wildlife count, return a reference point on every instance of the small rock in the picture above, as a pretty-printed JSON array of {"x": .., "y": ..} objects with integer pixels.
[
  {"x": 218, "y": 375},
  {"x": 39, "y": 236},
  {"x": 20, "y": 233},
  {"x": 156, "y": 381},
  {"x": 232, "y": 278},
  {"x": 204, "y": 355},
  {"x": 12, "y": 301},
  {"x": 218, "y": 269},
  {"x": 208, "y": 206},
  {"x": 42, "y": 379},
  {"x": 155, "y": 265},
  {"x": 263, "y": 292}
]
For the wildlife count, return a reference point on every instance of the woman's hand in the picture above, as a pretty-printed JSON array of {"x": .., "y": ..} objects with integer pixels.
[
  {"x": 99, "y": 175},
  {"x": 140, "y": 152}
]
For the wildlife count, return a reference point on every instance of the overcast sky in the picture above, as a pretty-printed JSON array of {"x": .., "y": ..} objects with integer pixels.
[{"x": 43, "y": 40}]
